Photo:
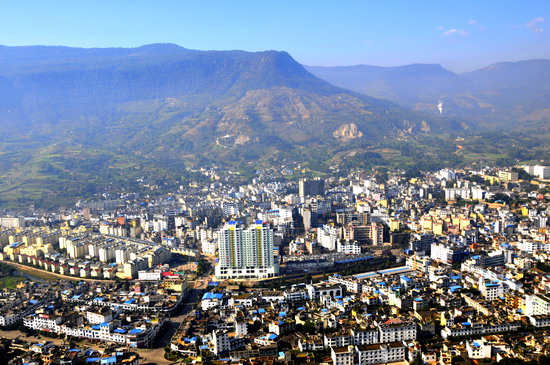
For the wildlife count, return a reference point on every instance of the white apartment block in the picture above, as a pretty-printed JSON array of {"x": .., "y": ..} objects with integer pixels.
[
  {"x": 327, "y": 236},
  {"x": 349, "y": 247},
  {"x": 537, "y": 305},
  {"x": 491, "y": 291},
  {"x": 474, "y": 329},
  {"x": 380, "y": 353},
  {"x": 12, "y": 222},
  {"x": 342, "y": 355},
  {"x": 542, "y": 172},
  {"x": 390, "y": 332},
  {"x": 532, "y": 246},
  {"x": 365, "y": 336},
  {"x": 209, "y": 246}
]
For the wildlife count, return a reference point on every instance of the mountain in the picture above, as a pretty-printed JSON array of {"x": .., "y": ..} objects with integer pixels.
[
  {"x": 406, "y": 85},
  {"x": 94, "y": 114},
  {"x": 204, "y": 97},
  {"x": 501, "y": 94}
]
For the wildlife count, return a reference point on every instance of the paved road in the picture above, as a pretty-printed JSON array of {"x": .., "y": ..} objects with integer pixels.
[
  {"x": 54, "y": 276},
  {"x": 156, "y": 355}
]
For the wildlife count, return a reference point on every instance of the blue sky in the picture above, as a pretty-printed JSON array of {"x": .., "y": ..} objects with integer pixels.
[{"x": 460, "y": 35}]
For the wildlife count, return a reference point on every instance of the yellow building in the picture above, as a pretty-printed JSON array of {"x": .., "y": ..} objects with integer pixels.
[
  {"x": 176, "y": 285},
  {"x": 36, "y": 250},
  {"x": 427, "y": 224},
  {"x": 508, "y": 176},
  {"x": 464, "y": 223},
  {"x": 14, "y": 248},
  {"x": 383, "y": 203},
  {"x": 492, "y": 179},
  {"x": 438, "y": 227},
  {"x": 395, "y": 225}
]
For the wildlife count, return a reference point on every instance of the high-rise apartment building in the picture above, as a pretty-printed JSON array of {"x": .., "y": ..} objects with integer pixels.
[
  {"x": 311, "y": 187},
  {"x": 245, "y": 253},
  {"x": 370, "y": 234},
  {"x": 12, "y": 222},
  {"x": 542, "y": 172}
]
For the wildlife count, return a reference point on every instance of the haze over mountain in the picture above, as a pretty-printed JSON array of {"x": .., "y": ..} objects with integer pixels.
[
  {"x": 199, "y": 96},
  {"x": 72, "y": 112},
  {"x": 76, "y": 121},
  {"x": 500, "y": 94}
]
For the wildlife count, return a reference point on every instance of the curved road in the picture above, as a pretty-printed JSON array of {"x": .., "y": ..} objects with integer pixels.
[{"x": 40, "y": 271}]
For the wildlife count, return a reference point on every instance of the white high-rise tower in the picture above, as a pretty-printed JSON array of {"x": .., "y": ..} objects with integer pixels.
[{"x": 245, "y": 253}]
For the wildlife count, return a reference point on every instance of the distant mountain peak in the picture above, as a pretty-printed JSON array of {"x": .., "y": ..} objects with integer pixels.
[
  {"x": 503, "y": 92},
  {"x": 165, "y": 48}
]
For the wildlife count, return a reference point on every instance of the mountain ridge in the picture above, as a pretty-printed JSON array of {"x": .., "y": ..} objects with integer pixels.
[
  {"x": 500, "y": 94},
  {"x": 164, "y": 108}
]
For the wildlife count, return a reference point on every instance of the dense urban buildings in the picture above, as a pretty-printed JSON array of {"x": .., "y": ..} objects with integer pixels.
[{"x": 448, "y": 267}]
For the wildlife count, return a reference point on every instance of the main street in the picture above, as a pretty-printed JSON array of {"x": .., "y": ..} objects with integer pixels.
[{"x": 156, "y": 354}]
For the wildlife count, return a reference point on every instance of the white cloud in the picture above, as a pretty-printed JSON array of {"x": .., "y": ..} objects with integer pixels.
[
  {"x": 472, "y": 22},
  {"x": 454, "y": 31},
  {"x": 535, "y": 25}
]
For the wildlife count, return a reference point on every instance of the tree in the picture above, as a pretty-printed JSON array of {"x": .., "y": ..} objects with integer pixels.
[
  {"x": 417, "y": 360},
  {"x": 522, "y": 174},
  {"x": 309, "y": 328}
]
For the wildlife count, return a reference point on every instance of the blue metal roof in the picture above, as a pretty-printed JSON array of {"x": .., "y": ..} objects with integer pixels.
[
  {"x": 135, "y": 330},
  {"x": 392, "y": 270},
  {"x": 212, "y": 296},
  {"x": 109, "y": 360},
  {"x": 365, "y": 275}
]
